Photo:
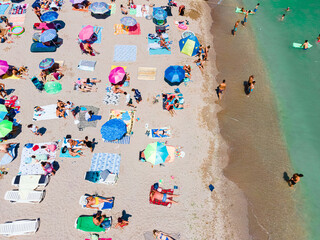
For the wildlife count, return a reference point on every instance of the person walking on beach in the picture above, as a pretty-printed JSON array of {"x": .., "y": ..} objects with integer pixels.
[
  {"x": 295, "y": 178},
  {"x": 235, "y": 28},
  {"x": 205, "y": 54},
  {"x": 129, "y": 100},
  {"x": 246, "y": 18},
  {"x": 222, "y": 86},
  {"x": 250, "y": 88},
  {"x": 305, "y": 45},
  {"x": 256, "y": 8}
]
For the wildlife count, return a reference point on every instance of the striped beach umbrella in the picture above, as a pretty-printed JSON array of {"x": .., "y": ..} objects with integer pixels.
[
  {"x": 174, "y": 75},
  {"x": 48, "y": 35},
  {"x": 128, "y": 21},
  {"x": 46, "y": 63},
  {"x": 156, "y": 153},
  {"x": 189, "y": 45},
  {"x": 49, "y": 16},
  {"x": 99, "y": 8},
  {"x": 3, "y": 67},
  {"x": 5, "y": 128}
]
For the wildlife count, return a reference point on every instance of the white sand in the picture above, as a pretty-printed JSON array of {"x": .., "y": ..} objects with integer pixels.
[{"x": 197, "y": 216}]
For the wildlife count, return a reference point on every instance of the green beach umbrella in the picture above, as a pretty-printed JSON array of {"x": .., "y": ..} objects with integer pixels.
[
  {"x": 53, "y": 87},
  {"x": 156, "y": 153},
  {"x": 5, "y": 128}
]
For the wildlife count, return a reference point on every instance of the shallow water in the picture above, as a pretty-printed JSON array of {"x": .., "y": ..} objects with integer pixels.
[{"x": 294, "y": 75}]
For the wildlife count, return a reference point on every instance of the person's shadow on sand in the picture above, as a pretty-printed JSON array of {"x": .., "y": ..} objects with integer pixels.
[
  {"x": 217, "y": 91},
  {"x": 125, "y": 216},
  {"x": 246, "y": 87},
  {"x": 42, "y": 130},
  {"x": 286, "y": 177}
]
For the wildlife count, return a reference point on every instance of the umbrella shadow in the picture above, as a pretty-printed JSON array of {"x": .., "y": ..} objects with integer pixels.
[
  {"x": 9, "y": 91},
  {"x": 101, "y": 16},
  {"x": 16, "y": 130},
  {"x": 59, "y": 24}
]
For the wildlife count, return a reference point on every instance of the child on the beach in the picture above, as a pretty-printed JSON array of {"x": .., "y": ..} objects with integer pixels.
[
  {"x": 199, "y": 63},
  {"x": 235, "y": 28},
  {"x": 34, "y": 129}
]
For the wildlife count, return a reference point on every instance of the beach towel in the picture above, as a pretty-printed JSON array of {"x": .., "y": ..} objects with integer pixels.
[
  {"x": 155, "y": 48},
  {"x": 83, "y": 123},
  {"x": 6, "y": 76},
  {"x": 135, "y": 30},
  {"x": 113, "y": 8},
  {"x": 156, "y": 202},
  {"x": 3, "y": 8},
  {"x": 67, "y": 154},
  {"x": 97, "y": 30},
  {"x": 125, "y": 53},
  {"x": 132, "y": 11},
  {"x": 139, "y": 13},
  {"x": 124, "y": 140},
  {"x": 111, "y": 97},
  {"x": 152, "y": 133},
  {"x": 87, "y": 65},
  {"x": 17, "y": 8},
  {"x": 105, "y": 161},
  {"x": 147, "y": 73},
  {"x": 85, "y": 223},
  {"x": 149, "y": 236},
  {"x": 119, "y": 29},
  {"x": 6, "y": 159},
  {"x": 49, "y": 112},
  {"x": 17, "y": 19},
  {"x": 27, "y": 167}
]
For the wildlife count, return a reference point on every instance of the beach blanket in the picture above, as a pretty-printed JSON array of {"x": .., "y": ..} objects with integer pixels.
[
  {"x": 105, "y": 161},
  {"x": 126, "y": 116},
  {"x": 155, "y": 48},
  {"x": 49, "y": 112},
  {"x": 132, "y": 11},
  {"x": 124, "y": 140},
  {"x": 135, "y": 30},
  {"x": 98, "y": 33},
  {"x": 6, "y": 159},
  {"x": 27, "y": 167},
  {"x": 139, "y": 12},
  {"x": 149, "y": 236},
  {"x": 111, "y": 97},
  {"x": 156, "y": 202},
  {"x": 178, "y": 96},
  {"x": 113, "y": 8},
  {"x": 17, "y": 8},
  {"x": 147, "y": 73},
  {"x": 158, "y": 132},
  {"x": 119, "y": 29},
  {"x": 67, "y": 154},
  {"x": 17, "y": 19},
  {"x": 125, "y": 53},
  {"x": 3, "y": 8},
  {"x": 83, "y": 123},
  {"x": 6, "y": 76},
  {"x": 87, "y": 65}
]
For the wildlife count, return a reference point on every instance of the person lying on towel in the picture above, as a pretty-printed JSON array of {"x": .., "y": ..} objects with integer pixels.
[
  {"x": 163, "y": 197},
  {"x": 91, "y": 201}
]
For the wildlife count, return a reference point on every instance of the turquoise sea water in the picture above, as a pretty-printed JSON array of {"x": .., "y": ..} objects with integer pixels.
[{"x": 295, "y": 78}]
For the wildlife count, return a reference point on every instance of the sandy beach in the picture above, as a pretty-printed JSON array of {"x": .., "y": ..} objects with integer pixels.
[{"x": 200, "y": 214}]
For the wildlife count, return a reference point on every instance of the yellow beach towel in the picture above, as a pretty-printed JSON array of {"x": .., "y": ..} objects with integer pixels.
[{"x": 119, "y": 29}]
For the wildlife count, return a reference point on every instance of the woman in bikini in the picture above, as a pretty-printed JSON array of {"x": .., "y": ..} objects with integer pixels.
[
  {"x": 93, "y": 201},
  {"x": 161, "y": 235},
  {"x": 121, "y": 223}
]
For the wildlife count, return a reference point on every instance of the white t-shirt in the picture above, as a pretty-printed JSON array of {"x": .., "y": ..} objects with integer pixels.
[
  {"x": 87, "y": 116},
  {"x": 33, "y": 128},
  {"x": 128, "y": 98}
]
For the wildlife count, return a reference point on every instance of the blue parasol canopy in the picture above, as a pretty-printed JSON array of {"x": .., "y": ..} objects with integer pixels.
[
  {"x": 48, "y": 35},
  {"x": 159, "y": 14},
  {"x": 174, "y": 75},
  {"x": 99, "y": 8},
  {"x": 49, "y": 16},
  {"x": 128, "y": 21},
  {"x": 114, "y": 129}
]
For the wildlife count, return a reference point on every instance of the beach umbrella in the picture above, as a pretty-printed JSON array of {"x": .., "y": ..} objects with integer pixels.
[
  {"x": 3, "y": 111},
  {"x": 5, "y": 128},
  {"x": 3, "y": 67},
  {"x": 99, "y": 8},
  {"x": 174, "y": 75},
  {"x": 156, "y": 153},
  {"x": 49, "y": 16},
  {"x": 36, "y": 4},
  {"x": 117, "y": 75},
  {"x": 48, "y": 35},
  {"x": 128, "y": 21},
  {"x": 86, "y": 32},
  {"x": 76, "y": 1},
  {"x": 114, "y": 129},
  {"x": 46, "y": 63},
  {"x": 53, "y": 87},
  {"x": 189, "y": 45},
  {"x": 159, "y": 14}
]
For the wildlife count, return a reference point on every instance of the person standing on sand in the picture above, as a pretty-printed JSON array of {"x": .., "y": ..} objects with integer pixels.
[
  {"x": 250, "y": 88},
  {"x": 222, "y": 86},
  {"x": 246, "y": 17},
  {"x": 305, "y": 45},
  {"x": 256, "y": 8},
  {"x": 295, "y": 178},
  {"x": 235, "y": 28}
]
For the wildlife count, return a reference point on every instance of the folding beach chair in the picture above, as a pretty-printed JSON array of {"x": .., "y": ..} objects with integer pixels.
[
  {"x": 19, "y": 227},
  {"x": 43, "y": 181},
  {"x": 31, "y": 197}
]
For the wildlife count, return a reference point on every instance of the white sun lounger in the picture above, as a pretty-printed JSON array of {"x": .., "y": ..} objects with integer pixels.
[
  {"x": 31, "y": 197},
  {"x": 19, "y": 227},
  {"x": 43, "y": 181}
]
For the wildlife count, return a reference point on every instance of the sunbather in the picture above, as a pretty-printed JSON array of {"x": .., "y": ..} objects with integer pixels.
[
  {"x": 124, "y": 10},
  {"x": 164, "y": 44},
  {"x": 5, "y": 147},
  {"x": 90, "y": 81},
  {"x": 3, "y": 91},
  {"x": 37, "y": 11},
  {"x": 137, "y": 95},
  {"x": 89, "y": 49},
  {"x": 163, "y": 132},
  {"x": 177, "y": 104},
  {"x": 121, "y": 223},
  {"x": 43, "y": 75},
  {"x": 117, "y": 89},
  {"x": 72, "y": 152},
  {"x": 40, "y": 157},
  {"x": 89, "y": 144},
  {"x": 187, "y": 69},
  {"x": 34, "y": 129},
  {"x": 163, "y": 197},
  {"x": 100, "y": 221},
  {"x": 161, "y": 235},
  {"x": 87, "y": 88},
  {"x": 143, "y": 10},
  {"x": 60, "y": 112},
  {"x": 90, "y": 116},
  {"x": 91, "y": 201},
  {"x": 48, "y": 168},
  {"x": 74, "y": 143},
  {"x": 199, "y": 63},
  {"x": 49, "y": 147}
]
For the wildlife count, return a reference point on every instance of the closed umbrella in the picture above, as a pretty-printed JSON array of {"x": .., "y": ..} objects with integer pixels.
[
  {"x": 117, "y": 75},
  {"x": 189, "y": 45},
  {"x": 48, "y": 35},
  {"x": 114, "y": 129},
  {"x": 156, "y": 153},
  {"x": 3, "y": 67},
  {"x": 5, "y": 128},
  {"x": 128, "y": 21},
  {"x": 174, "y": 75},
  {"x": 49, "y": 16},
  {"x": 53, "y": 87},
  {"x": 3, "y": 111},
  {"x": 86, "y": 32},
  {"x": 46, "y": 63},
  {"x": 99, "y": 8}
]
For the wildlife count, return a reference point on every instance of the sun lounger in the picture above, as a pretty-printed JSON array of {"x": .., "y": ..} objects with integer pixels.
[
  {"x": 102, "y": 206},
  {"x": 39, "y": 47},
  {"x": 43, "y": 181},
  {"x": 19, "y": 227},
  {"x": 157, "y": 202},
  {"x": 85, "y": 223},
  {"x": 32, "y": 197}
]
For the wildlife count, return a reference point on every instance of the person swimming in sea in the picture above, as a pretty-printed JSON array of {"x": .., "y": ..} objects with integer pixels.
[
  {"x": 318, "y": 38},
  {"x": 295, "y": 179},
  {"x": 256, "y": 8},
  {"x": 305, "y": 45},
  {"x": 288, "y": 9},
  {"x": 282, "y": 18}
]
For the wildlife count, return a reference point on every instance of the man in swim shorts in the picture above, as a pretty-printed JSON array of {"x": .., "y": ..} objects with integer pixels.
[
  {"x": 256, "y": 8},
  {"x": 295, "y": 178},
  {"x": 246, "y": 17},
  {"x": 235, "y": 28},
  {"x": 222, "y": 86},
  {"x": 163, "y": 197},
  {"x": 305, "y": 45}
]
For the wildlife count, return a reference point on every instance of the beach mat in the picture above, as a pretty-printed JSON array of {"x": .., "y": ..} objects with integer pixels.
[
  {"x": 158, "y": 51},
  {"x": 18, "y": 9},
  {"x": 124, "y": 140},
  {"x": 17, "y": 19},
  {"x": 147, "y": 73},
  {"x": 125, "y": 53},
  {"x": 106, "y": 161},
  {"x": 3, "y": 8},
  {"x": 48, "y": 113},
  {"x": 118, "y": 29},
  {"x": 113, "y": 8},
  {"x": 111, "y": 98},
  {"x": 149, "y": 236},
  {"x": 6, "y": 159},
  {"x": 83, "y": 123},
  {"x": 135, "y": 30},
  {"x": 87, "y": 65},
  {"x": 6, "y": 76}
]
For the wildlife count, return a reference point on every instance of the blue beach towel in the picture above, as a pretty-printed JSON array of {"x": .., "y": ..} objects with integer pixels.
[
  {"x": 125, "y": 53},
  {"x": 6, "y": 159},
  {"x": 159, "y": 51},
  {"x": 3, "y": 8},
  {"x": 66, "y": 154},
  {"x": 124, "y": 140},
  {"x": 105, "y": 161}
]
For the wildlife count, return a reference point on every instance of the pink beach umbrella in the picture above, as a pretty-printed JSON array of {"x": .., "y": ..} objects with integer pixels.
[
  {"x": 86, "y": 33},
  {"x": 3, "y": 67},
  {"x": 117, "y": 75}
]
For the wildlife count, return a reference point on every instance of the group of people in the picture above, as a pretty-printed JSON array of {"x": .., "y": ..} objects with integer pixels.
[
  {"x": 202, "y": 56},
  {"x": 74, "y": 146},
  {"x": 63, "y": 108},
  {"x": 129, "y": 101},
  {"x": 55, "y": 71},
  {"x": 86, "y": 84}
]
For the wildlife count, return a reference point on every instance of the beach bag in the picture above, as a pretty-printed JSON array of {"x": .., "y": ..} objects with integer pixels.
[
  {"x": 156, "y": 186},
  {"x": 94, "y": 236}
]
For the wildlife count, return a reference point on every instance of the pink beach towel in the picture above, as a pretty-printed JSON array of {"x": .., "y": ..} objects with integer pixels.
[
  {"x": 17, "y": 19},
  {"x": 135, "y": 30}
]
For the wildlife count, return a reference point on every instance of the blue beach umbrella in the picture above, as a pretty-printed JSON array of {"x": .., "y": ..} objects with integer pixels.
[
  {"x": 36, "y": 4},
  {"x": 114, "y": 129},
  {"x": 48, "y": 35},
  {"x": 99, "y": 8},
  {"x": 174, "y": 75},
  {"x": 156, "y": 153},
  {"x": 128, "y": 21},
  {"x": 189, "y": 45},
  {"x": 3, "y": 111},
  {"x": 46, "y": 63},
  {"x": 49, "y": 16},
  {"x": 159, "y": 14}
]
